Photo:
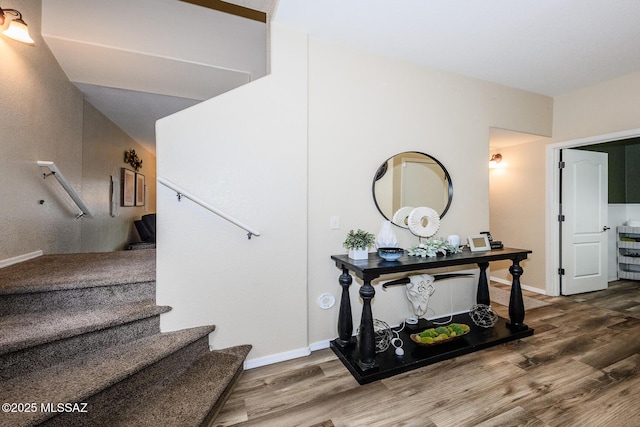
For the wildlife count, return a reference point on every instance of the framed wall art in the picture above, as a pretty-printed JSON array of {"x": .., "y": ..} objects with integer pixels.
[
  {"x": 128, "y": 187},
  {"x": 139, "y": 189}
]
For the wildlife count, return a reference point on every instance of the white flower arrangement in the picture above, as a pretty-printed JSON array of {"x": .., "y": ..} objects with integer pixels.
[{"x": 432, "y": 247}]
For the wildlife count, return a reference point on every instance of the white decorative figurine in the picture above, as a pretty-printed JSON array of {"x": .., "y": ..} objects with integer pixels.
[{"x": 418, "y": 290}]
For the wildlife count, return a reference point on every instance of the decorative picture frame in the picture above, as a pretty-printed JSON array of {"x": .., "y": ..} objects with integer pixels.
[
  {"x": 139, "y": 189},
  {"x": 479, "y": 242},
  {"x": 128, "y": 187}
]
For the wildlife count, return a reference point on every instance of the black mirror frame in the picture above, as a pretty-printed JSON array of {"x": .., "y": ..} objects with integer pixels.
[{"x": 382, "y": 170}]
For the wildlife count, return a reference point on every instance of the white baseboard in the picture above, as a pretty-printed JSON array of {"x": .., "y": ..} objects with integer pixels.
[
  {"x": 275, "y": 358},
  {"x": 20, "y": 258},
  {"x": 283, "y": 357},
  {"x": 294, "y": 354},
  {"x": 523, "y": 286},
  {"x": 320, "y": 345}
]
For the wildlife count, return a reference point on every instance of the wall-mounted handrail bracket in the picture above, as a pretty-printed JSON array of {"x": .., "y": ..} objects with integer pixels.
[
  {"x": 180, "y": 193},
  {"x": 53, "y": 170}
]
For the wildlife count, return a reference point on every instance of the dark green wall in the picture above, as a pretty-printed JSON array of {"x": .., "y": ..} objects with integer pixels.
[
  {"x": 632, "y": 168},
  {"x": 624, "y": 169}
]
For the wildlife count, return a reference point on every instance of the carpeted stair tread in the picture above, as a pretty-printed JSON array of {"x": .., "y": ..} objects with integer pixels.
[
  {"x": 187, "y": 400},
  {"x": 84, "y": 328},
  {"x": 77, "y": 379},
  {"x": 73, "y": 271},
  {"x": 21, "y": 331}
]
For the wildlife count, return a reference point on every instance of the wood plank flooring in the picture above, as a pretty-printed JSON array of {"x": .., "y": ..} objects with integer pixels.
[{"x": 581, "y": 368}]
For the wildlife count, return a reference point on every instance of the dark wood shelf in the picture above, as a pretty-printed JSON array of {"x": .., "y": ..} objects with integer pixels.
[{"x": 388, "y": 364}]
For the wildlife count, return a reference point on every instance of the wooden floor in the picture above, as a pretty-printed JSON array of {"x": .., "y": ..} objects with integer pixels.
[{"x": 581, "y": 368}]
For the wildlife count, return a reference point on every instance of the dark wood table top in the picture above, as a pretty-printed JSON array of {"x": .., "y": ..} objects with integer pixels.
[{"x": 375, "y": 266}]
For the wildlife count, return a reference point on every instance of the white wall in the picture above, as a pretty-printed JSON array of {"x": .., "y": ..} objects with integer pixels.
[
  {"x": 601, "y": 109},
  {"x": 518, "y": 211},
  {"x": 365, "y": 108},
  {"x": 515, "y": 194},
  {"x": 244, "y": 152},
  {"x": 594, "y": 113},
  {"x": 251, "y": 153}
]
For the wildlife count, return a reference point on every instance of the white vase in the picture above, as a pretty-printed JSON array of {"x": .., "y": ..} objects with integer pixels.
[
  {"x": 386, "y": 238},
  {"x": 359, "y": 253}
]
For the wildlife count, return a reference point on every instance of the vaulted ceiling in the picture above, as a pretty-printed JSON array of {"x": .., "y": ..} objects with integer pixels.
[{"x": 142, "y": 60}]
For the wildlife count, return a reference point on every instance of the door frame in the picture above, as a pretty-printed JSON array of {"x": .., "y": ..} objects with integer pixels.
[{"x": 553, "y": 196}]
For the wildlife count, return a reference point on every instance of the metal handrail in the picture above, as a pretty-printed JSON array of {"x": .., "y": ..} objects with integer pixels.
[
  {"x": 182, "y": 193},
  {"x": 65, "y": 184}
]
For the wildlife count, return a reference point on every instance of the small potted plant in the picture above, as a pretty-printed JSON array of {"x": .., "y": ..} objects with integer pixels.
[
  {"x": 433, "y": 247},
  {"x": 358, "y": 243}
]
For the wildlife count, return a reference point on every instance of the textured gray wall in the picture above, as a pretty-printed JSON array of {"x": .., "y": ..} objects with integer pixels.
[
  {"x": 42, "y": 117},
  {"x": 103, "y": 150}
]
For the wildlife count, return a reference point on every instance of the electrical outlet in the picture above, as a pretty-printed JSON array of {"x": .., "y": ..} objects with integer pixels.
[{"x": 326, "y": 301}]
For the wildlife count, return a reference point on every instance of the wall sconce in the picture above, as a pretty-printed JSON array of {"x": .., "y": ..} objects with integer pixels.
[
  {"x": 18, "y": 29},
  {"x": 495, "y": 159}
]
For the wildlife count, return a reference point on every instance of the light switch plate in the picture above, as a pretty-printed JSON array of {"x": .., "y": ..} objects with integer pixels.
[{"x": 334, "y": 222}]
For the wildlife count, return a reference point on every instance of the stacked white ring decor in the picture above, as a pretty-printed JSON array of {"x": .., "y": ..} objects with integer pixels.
[{"x": 423, "y": 221}]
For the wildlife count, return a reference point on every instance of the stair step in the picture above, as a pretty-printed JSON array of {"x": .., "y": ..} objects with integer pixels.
[
  {"x": 75, "y": 271},
  {"x": 37, "y": 340},
  {"x": 191, "y": 399},
  {"x": 65, "y": 281},
  {"x": 188, "y": 400},
  {"x": 20, "y": 331},
  {"x": 77, "y": 298},
  {"x": 83, "y": 330},
  {"x": 80, "y": 378}
]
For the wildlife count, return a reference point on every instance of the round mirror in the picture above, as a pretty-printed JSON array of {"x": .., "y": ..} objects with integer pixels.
[{"x": 410, "y": 180}]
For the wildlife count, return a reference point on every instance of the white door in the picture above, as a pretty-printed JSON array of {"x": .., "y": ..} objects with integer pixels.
[{"x": 584, "y": 229}]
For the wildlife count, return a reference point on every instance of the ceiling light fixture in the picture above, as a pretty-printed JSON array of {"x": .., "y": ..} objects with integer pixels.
[{"x": 18, "y": 29}]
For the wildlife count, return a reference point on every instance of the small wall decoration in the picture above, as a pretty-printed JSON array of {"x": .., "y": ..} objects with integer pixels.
[
  {"x": 128, "y": 187},
  {"x": 479, "y": 242},
  {"x": 139, "y": 189},
  {"x": 132, "y": 158}
]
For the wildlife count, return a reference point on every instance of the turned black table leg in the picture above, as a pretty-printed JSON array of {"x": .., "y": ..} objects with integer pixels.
[
  {"x": 483, "y": 285},
  {"x": 366, "y": 336},
  {"x": 516, "y": 304},
  {"x": 345, "y": 322}
]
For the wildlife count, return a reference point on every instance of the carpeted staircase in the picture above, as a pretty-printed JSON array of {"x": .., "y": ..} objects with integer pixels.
[{"x": 80, "y": 345}]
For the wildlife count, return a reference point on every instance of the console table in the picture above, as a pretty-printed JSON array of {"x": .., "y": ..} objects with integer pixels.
[{"x": 359, "y": 355}]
